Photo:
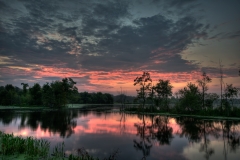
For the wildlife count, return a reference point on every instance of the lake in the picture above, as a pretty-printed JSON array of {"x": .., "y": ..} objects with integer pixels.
[{"x": 132, "y": 136}]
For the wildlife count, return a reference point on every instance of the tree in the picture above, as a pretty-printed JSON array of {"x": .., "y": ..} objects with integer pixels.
[
  {"x": 36, "y": 95},
  {"x": 109, "y": 98},
  {"x": 68, "y": 89},
  {"x": 163, "y": 90},
  {"x": 59, "y": 96},
  {"x": 221, "y": 81},
  {"x": 85, "y": 97},
  {"x": 144, "y": 82},
  {"x": 47, "y": 95},
  {"x": 151, "y": 95},
  {"x": 190, "y": 98},
  {"x": 230, "y": 92},
  {"x": 25, "y": 85},
  {"x": 203, "y": 84},
  {"x": 7, "y": 95},
  {"x": 210, "y": 98}
]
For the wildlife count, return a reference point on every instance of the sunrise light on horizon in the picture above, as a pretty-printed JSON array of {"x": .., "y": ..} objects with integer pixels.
[{"x": 105, "y": 45}]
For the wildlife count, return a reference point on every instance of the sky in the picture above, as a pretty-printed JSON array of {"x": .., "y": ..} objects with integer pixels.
[{"x": 105, "y": 45}]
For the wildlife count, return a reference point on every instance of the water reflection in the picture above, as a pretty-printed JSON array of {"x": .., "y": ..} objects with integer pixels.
[
  {"x": 136, "y": 136},
  {"x": 61, "y": 122},
  {"x": 144, "y": 132}
]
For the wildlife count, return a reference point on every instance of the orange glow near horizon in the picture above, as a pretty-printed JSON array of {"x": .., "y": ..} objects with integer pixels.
[{"x": 103, "y": 81}]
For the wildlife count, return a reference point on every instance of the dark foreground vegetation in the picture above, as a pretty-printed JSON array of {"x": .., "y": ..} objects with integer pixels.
[
  {"x": 15, "y": 147},
  {"x": 56, "y": 94},
  {"x": 192, "y": 99}
]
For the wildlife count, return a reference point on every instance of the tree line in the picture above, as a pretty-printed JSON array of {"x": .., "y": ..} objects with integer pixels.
[
  {"x": 55, "y": 94},
  {"x": 193, "y": 98}
]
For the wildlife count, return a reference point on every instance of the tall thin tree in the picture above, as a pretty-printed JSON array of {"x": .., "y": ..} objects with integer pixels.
[
  {"x": 203, "y": 84},
  {"x": 221, "y": 81},
  {"x": 144, "y": 82}
]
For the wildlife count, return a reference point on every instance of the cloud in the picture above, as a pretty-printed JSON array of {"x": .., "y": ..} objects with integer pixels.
[
  {"x": 49, "y": 40},
  {"x": 100, "y": 37},
  {"x": 150, "y": 38}
]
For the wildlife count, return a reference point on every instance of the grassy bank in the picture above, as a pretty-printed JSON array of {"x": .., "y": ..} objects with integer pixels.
[
  {"x": 29, "y": 148},
  {"x": 209, "y": 114},
  {"x": 44, "y": 107}
]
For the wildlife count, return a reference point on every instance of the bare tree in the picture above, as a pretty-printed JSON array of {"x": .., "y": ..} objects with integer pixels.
[
  {"x": 203, "y": 84},
  {"x": 221, "y": 81}
]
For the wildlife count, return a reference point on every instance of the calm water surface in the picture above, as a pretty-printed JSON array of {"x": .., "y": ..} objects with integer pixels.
[{"x": 134, "y": 136}]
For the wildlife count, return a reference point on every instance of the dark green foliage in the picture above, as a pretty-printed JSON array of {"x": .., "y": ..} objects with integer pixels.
[
  {"x": 7, "y": 95},
  {"x": 25, "y": 85},
  {"x": 209, "y": 100},
  {"x": 36, "y": 94},
  {"x": 190, "y": 99},
  {"x": 59, "y": 96},
  {"x": 47, "y": 95},
  {"x": 95, "y": 98},
  {"x": 55, "y": 94},
  {"x": 32, "y": 148},
  {"x": 163, "y": 90},
  {"x": 230, "y": 92}
]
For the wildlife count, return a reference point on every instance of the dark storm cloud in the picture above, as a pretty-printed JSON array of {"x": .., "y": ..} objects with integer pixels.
[
  {"x": 135, "y": 45},
  {"x": 104, "y": 36}
]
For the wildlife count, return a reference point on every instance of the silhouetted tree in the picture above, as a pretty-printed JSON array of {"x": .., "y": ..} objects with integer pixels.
[
  {"x": 202, "y": 83},
  {"x": 25, "y": 85},
  {"x": 47, "y": 95},
  {"x": 68, "y": 88},
  {"x": 230, "y": 92},
  {"x": 7, "y": 95},
  {"x": 144, "y": 82},
  {"x": 190, "y": 98},
  {"x": 210, "y": 98},
  {"x": 163, "y": 89},
  {"x": 221, "y": 83},
  {"x": 36, "y": 94},
  {"x": 151, "y": 95}
]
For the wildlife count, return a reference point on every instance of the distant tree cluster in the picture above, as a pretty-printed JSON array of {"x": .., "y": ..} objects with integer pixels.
[
  {"x": 191, "y": 99},
  {"x": 55, "y": 94},
  {"x": 95, "y": 98}
]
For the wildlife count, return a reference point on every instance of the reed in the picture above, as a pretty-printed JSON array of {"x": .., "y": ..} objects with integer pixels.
[
  {"x": 33, "y": 149},
  {"x": 15, "y": 145}
]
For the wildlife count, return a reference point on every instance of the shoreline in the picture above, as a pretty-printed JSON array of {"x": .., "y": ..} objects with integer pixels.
[{"x": 82, "y": 106}]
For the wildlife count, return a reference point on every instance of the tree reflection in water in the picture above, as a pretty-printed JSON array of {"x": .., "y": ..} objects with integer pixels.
[
  {"x": 144, "y": 144},
  {"x": 151, "y": 130},
  {"x": 162, "y": 131},
  {"x": 61, "y": 122},
  {"x": 199, "y": 130},
  {"x": 148, "y": 133},
  {"x": 7, "y": 116},
  {"x": 230, "y": 136}
]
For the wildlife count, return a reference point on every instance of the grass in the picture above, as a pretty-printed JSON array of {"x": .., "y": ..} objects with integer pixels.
[{"x": 16, "y": 147}]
